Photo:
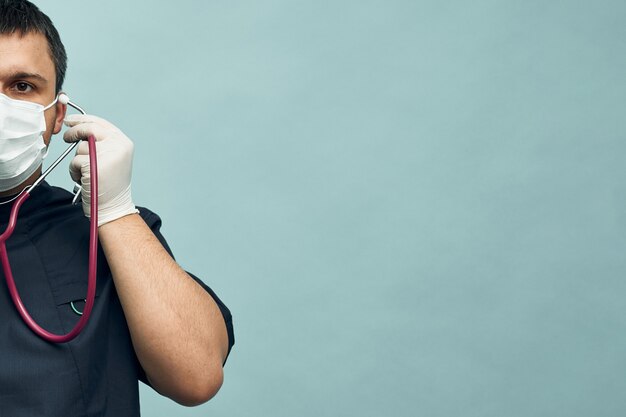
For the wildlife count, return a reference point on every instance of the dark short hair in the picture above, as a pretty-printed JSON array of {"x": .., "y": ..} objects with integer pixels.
[{"x": 23, "y": 17}]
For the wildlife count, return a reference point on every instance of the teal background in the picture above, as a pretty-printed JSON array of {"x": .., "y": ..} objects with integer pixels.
[{"x": 411, "y": 207}]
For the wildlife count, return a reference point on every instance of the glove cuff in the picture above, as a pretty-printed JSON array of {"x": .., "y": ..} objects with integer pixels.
[
  {"x": 105, "y": 217},
  {"x": 120, "y": 206}
]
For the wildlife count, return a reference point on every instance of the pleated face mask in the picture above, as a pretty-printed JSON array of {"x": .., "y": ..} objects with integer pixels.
[{"x": 22, "y": 148}]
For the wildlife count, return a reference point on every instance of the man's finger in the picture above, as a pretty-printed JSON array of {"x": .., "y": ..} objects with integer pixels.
[
  {"x": 75, "y": 119},
  {"x": 83, "y": 130},
  {"x": 76, "y": 166}
]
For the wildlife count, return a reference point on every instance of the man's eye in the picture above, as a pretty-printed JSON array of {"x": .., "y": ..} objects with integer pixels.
[{"x": 23, "y": 87}]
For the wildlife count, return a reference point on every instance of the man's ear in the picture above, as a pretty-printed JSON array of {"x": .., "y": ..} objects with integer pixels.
[{"x": 58, "y": 121}]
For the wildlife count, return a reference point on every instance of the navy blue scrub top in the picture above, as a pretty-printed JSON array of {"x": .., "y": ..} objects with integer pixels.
[{"x": 96, "y": 374}]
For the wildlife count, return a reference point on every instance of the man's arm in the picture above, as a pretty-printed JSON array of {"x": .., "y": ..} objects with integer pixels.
[{"x": 177, "y": 329}]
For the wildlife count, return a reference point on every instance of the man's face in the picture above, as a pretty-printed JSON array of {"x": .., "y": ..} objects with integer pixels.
[{"x": 27, "y": 73}]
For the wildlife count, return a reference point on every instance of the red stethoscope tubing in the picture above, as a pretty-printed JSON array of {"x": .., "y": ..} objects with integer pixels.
[{"x": 93, "y": 259}]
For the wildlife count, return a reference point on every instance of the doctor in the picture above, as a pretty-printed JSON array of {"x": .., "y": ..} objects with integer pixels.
[{"x": 152, "y": 321}]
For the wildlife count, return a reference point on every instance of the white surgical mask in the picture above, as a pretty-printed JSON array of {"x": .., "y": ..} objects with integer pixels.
[{"x": 22, "y": 148}]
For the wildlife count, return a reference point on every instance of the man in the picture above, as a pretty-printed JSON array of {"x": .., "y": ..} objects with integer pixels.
[{"x": 151, "y": 320}]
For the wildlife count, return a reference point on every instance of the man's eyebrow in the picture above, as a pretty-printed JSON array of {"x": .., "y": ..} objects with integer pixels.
[{"x": 26, "y": 76}]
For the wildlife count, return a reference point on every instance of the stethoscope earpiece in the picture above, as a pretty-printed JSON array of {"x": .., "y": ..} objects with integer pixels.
[{"x": 64, "y": 99}]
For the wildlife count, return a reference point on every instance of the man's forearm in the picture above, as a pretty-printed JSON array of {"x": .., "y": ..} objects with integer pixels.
[{"x": 177, "y": 329}]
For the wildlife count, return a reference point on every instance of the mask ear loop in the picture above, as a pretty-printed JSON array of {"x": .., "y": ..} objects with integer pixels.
[{"x": 55, "y": 101}]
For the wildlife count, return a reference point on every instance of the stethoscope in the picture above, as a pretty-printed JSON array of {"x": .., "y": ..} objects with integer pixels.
[{"x": 93, "y": 242}]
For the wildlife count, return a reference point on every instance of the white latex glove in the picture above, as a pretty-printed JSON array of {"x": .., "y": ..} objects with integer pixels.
[{"x": 115, "y": 160}]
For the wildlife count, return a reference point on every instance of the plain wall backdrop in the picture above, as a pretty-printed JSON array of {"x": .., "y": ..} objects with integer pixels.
[{"x": 412, "y": 208}]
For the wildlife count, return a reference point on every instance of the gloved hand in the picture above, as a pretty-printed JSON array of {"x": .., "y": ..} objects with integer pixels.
[{"x": 115, "y": 160}]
